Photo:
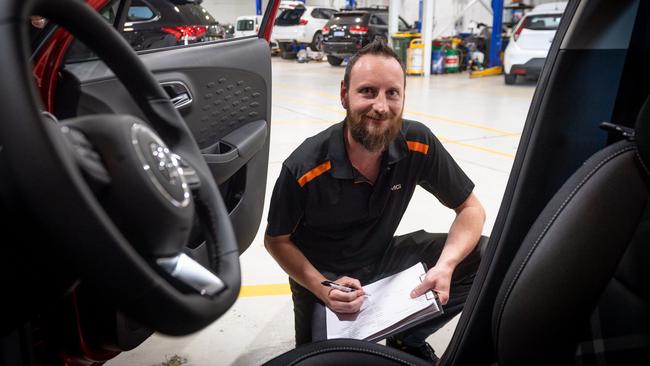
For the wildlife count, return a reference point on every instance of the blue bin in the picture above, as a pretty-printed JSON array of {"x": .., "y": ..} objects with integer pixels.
[{"x": 437, "y": 61}]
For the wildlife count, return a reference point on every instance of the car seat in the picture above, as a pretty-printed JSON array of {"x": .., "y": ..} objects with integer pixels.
[
  {"x": 571, "y": 255},
  {"x": 336, "y": 352}
]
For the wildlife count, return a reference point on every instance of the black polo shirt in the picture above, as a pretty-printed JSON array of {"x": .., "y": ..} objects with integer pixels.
[{"x": 338, "y": 219}]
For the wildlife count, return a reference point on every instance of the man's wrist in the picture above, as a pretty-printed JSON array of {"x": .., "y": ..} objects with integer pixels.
[
  {"x": 447, "y": 265},
  {"x": 320, "y": 291}
]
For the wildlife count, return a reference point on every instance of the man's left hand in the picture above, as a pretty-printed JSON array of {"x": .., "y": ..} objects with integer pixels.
[{"x": 438, "y": 279}]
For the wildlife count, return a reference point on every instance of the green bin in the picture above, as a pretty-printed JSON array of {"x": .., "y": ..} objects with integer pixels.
[
  {"x": 452, "y": 61},
  {"x": 401, "y": 43}
]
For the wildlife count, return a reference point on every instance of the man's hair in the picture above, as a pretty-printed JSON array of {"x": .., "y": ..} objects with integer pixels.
[{"x": 377, "y": 47}]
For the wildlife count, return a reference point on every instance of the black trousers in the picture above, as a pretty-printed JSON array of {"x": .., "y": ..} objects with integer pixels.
[{"x": 403, "y": 252}]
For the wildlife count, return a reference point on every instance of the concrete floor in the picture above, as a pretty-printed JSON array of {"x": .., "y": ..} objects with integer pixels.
[{"x": 478, "y": 120}]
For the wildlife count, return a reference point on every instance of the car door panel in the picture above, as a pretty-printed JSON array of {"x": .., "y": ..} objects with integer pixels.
[{"x": 228, "y": 112}]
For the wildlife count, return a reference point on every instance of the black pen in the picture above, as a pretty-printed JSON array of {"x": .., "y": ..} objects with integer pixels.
[{"x": 335, "y": 285}]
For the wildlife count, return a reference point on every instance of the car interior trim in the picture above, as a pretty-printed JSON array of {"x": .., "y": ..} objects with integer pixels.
[
  {"x": 193, "y": 274},
  {"x": 179, "y": 93}
]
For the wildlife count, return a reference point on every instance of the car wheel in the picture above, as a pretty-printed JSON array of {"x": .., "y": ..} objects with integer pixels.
[
  {"x": 288, "y": 55},
  {"x": 286, "y": 50},
  {"x": 334, "y": 61},
  {"x": 510, "y": 79},
  {"x": 317, "y": 42}
]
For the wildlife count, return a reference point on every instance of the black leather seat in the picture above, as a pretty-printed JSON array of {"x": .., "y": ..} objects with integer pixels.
[
  {"x": 345, "y": 352},
  {"x": 571, "y": 254}
]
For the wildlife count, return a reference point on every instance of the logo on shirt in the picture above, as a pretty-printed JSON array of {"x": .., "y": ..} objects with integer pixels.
[{"x": 396, "y": 187}]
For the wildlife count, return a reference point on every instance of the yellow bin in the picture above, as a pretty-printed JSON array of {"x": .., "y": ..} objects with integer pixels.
[
  {"x": 415, "y": 57},
  {"x": 401, "y": 43}
]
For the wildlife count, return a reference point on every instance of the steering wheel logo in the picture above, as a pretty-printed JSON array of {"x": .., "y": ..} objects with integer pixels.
[{"x": 168, "y": 165}]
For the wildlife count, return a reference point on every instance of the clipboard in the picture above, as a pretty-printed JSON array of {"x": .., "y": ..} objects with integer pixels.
[{"x": 390, "y": 309}]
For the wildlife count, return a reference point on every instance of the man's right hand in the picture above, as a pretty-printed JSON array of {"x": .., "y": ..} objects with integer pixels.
[{"x": 344, "y": 302}]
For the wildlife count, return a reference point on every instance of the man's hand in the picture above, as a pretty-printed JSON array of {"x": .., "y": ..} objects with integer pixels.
[
  {"x": 344, "y": 302},
  {"x": 464, "y": 234},
  {"x": 438, "y": 279}
]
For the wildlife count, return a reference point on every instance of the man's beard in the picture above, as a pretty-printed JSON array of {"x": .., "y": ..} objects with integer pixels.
[{"x": 370, "y": 137}]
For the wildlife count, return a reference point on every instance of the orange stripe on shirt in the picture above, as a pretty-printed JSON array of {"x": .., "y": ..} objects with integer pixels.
[
  {"x": 312, "y": 174},
  {"x": 418, "y": 146}
]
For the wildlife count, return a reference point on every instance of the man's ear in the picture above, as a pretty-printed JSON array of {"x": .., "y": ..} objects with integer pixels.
[{"x": 344, "y": 95}]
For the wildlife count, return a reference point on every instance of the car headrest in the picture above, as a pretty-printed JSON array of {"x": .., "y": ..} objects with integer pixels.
[{"x": 642, "y": 136}]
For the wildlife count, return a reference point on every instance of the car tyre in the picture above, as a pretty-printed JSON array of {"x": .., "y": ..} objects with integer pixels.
[
  {"x": 287, "y": 52},
  {"x": 334, "y": 61},
  {"x": 288, "y": 55},
  {"x": 510, "y": 79},
  {"x": 317, "y": 42}
]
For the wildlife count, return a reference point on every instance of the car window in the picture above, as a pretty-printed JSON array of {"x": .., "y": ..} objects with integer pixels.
[
  {"x": 140, "y": 13},
  {"x": 349, "y": 18},
  {"x": 379, "y": 19},
  {"x": 320, "y": 13},
  {"x": 290, "y": 16},
  {"x": 402, "y": 25},
  {"x": 328, "y": 13},
  {"x": 245, "y": 25},
  {"x": 159, "y": 24},
  {"x": 542, "y": 22}
]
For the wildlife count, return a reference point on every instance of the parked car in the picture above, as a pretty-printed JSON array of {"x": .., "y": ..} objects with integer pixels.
[
  {"x": 350, "y": 30},
  {"x": 247, "y": 25},
  {"x": 228, "y": 31},
  {"x": 531, "y": 41},
  {"x": 563, "y": 280},
  {"x": 164, "y": 23},
  {"x": 151, "y": 24},
  {"x": 299, "y": 24}
]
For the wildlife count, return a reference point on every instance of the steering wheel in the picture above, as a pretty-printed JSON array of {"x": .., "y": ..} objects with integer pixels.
[{"x": 119, "y": 194}]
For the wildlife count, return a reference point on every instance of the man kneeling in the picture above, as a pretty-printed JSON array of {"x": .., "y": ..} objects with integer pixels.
[{"x": 341, "y": 195}]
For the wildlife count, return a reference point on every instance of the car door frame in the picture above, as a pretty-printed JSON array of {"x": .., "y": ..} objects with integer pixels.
[{"x": 557, "y": 138}]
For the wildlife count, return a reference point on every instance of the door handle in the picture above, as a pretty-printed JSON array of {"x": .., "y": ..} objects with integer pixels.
[
  {"x": 234, "y": 150},
  {"x": 178, "y": 92}
]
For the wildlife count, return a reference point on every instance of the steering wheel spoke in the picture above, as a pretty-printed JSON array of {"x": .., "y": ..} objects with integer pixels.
[
  {"x": 192, "y": 274},
  {"x": 87, "y": 157},
  {"x": 191, "y": 177}
]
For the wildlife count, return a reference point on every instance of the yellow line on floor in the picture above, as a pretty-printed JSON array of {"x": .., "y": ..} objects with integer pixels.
[
  {"x": 462, "y": 123},
  {"x": 265, "y": 290},
  {"x": 319, "y": 105},
  {"x": 406, "y": 111},
  {"x": 476, "y": 147},
  {"x": 443, "y": 139}
]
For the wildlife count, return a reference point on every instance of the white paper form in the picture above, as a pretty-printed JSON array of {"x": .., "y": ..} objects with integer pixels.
[{"x": 389, "y": 302}]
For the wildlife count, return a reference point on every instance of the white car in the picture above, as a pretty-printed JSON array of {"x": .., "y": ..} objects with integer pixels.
[
  {"x": 531, "y": 41},
  {"x": 301, "y": 24},
  {"x": 247, "y": 25}
]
